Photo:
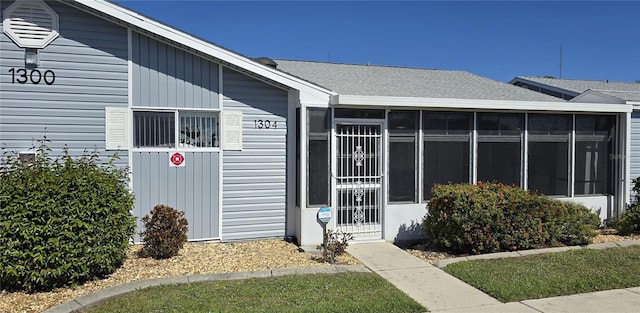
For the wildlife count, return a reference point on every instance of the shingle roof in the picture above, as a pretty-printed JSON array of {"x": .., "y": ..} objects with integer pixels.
[
  {"x": 373, "y": 80},
  {"x": 622, "y": 90}
]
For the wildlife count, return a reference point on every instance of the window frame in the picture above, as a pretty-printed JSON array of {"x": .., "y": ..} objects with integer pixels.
[
  {"x": 176, "y": 118},
  {"x": 502, "y": 138},
  {"x": 467, "y": 137},
  {"x": 309, "y": 135},
  {"x": 405, "y": 136},
  {"x": 554, "y": 137}
]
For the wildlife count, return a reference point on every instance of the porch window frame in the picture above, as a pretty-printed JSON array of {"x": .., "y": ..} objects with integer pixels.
[
  {"x": 308, "y": 136},
  {"x": 405, "y": 137}
]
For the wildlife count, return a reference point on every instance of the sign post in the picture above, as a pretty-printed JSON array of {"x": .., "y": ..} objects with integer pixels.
[{"x": 324, "y": 216}]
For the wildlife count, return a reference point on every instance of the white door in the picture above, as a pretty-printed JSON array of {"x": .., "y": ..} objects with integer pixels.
[{"x": 358, "y": 194}]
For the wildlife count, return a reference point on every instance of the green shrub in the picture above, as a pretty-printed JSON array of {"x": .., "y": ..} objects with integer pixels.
[
  {"x": 62, "y": 221},
  {"x": 490, "y": 217},
  {"x": 334, "y": 244},
  {"x": 566, "y": 223},
  {"x": 165, "y": 232},
  {"x": 629, "y": 221}
]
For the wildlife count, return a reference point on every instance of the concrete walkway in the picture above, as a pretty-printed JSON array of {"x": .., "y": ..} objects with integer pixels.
[{"x": 440, "y": 292}]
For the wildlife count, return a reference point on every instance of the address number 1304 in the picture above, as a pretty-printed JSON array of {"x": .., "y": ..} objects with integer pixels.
[{"x": 265, "y": 124}]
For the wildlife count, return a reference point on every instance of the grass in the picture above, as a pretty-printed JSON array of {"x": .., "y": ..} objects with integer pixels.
[
  {"x": 552, "y": 274},
  {"x": 345, "y": 292}
]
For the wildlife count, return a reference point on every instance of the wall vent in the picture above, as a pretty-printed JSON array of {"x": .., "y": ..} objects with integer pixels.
[{"x": 30, "y": 24}]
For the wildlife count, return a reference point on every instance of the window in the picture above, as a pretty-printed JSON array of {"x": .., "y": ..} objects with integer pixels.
[
  {"x": 594, "y": 145},
  {"x": 158, "y": 129},
  {"x": 403, "y": 126},
  {"x": 500, "y": 147},
  {"x": 359, "y": 113},
  {"x": 198, "y": 130},
  {"x": 154, "y": 129},
  {"x": 447, "y": 141},
  {"x": 549, "y": 139},
  {"x": 318, "y": 157}
]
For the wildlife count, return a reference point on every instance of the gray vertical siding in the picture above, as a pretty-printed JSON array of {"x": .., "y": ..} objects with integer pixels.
[
  {"x": 634, "y": 158},
  {"x": 165, "y": 76},
  {"x": 192, "y": 189},
  {"x": 254, "y": 180},
  {"x": 90, "y": 64}
]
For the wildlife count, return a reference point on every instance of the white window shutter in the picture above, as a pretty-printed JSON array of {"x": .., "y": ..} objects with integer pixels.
[
  {"x": 232, "y": 130},
  {"x": 116, "y": 126}
]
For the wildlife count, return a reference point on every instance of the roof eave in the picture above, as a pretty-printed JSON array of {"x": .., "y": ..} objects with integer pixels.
[{"x": 478, "y": 104}]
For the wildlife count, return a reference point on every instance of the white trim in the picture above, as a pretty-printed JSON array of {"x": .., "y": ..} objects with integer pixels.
[
  {"x": 172, "y": 149},
  {"x": 477, "y": 104},
  {"x": 627, "y": 160},
  {"x": 130, "y": 104},
  {"x": 221, "y": 153},
  {"x": 172, "y": 34},
  {"x": 304, "y": 140},
  {"x": 572, "y": 183},
  {"x": 525, "y": 153},
  {"x": 172, "y": 109},
  {"x": 290, "y": 213},
  {"x": 420, "y": 159}
]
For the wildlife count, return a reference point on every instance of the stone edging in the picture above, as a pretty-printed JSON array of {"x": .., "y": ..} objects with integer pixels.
[
  {"x": 515, "y": 254},
  {"x": 96, "y": 297}
]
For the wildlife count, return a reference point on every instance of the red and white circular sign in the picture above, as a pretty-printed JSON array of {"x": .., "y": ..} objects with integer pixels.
[{"x": 176, "y": 159}]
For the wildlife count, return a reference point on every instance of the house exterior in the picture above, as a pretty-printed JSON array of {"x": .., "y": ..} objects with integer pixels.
[
  {"x": 99, "y": 76},
  {"x": 254, "y": 149},
  {"x": 598, "y": 91}
]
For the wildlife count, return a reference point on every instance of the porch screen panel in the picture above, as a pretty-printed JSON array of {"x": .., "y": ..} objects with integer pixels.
[
  {"x": 500, "y": 147},
  {"x": 403, "y": 126},
  {"x": 594, "y": 166},
  {"x": 447, "y": 142},
  {"x": 549, "y": 157},
  {"x": 318, "y": 157}
]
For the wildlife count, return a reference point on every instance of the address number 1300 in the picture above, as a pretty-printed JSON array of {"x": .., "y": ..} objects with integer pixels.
[{"x": 35, "y": 76}]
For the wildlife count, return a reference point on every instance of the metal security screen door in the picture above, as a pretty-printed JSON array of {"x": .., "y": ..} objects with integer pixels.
[{"x": 359, "y": 180}]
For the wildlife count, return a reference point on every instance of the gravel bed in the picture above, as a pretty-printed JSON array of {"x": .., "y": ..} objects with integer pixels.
[{"x": 194, "y": 258}]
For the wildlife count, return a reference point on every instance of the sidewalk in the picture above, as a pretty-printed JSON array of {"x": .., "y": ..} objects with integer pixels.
[{"x": 440, "y": 292}]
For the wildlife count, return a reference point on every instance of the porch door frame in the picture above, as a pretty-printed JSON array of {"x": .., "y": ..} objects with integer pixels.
[{"x": 381, "y": 123}]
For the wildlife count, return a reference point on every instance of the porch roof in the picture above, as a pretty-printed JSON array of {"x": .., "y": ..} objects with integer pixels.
[{"x": 389, "y": 81}]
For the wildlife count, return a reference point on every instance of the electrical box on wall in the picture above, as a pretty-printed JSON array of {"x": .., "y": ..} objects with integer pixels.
[{"x": 27, "y": 156}]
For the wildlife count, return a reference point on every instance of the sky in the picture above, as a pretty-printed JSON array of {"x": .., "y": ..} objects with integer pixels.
[{"x": 499, "y": 40}]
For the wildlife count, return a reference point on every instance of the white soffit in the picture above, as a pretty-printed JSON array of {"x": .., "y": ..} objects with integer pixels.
[
  {"x": 447, "y": 103},
  {"x": 30, "y": 24}
]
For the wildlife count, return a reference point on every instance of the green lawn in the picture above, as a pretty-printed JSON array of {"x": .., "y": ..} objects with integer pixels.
[
  {"x": 552, "y": 274},
  {"x": 345, "y": 292}
]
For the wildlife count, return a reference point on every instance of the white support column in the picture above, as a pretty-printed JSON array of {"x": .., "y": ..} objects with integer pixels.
[{"x": 626, "y": 179}]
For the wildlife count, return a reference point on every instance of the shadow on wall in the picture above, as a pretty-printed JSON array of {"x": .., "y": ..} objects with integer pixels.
[{"x": 408, "y": 235}]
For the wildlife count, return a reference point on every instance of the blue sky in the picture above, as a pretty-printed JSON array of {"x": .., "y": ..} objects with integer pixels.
[{"x": 499, "y": 40}]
